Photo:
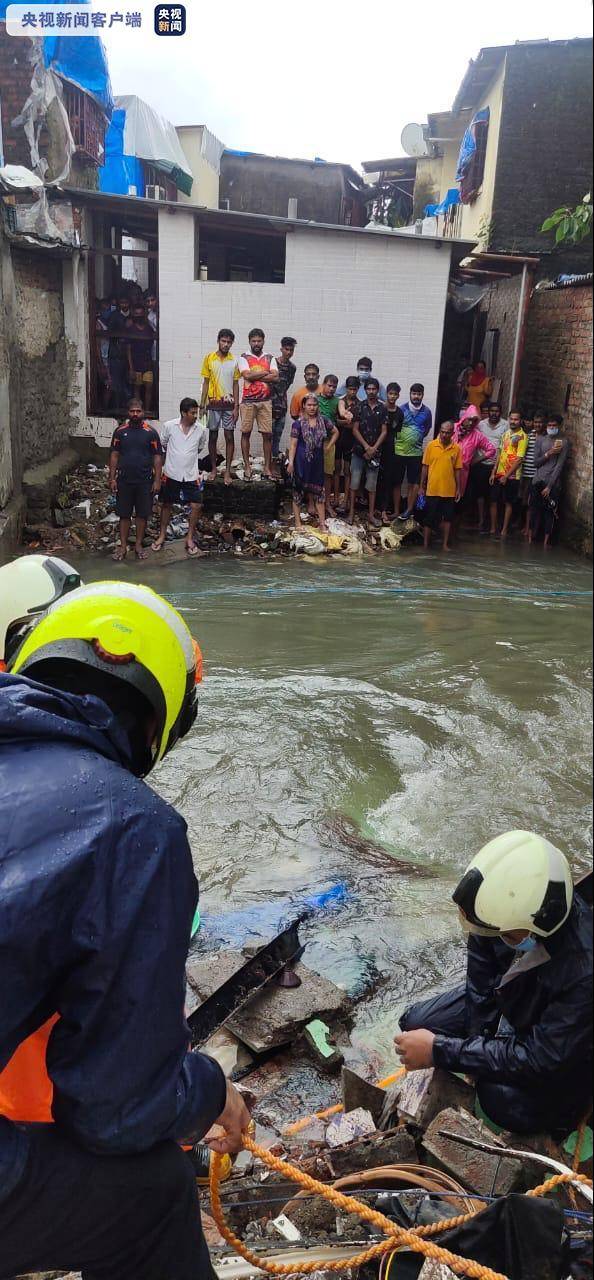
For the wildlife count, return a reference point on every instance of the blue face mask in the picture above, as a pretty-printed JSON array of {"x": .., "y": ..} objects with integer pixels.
[{"x": 527, "y": 945}]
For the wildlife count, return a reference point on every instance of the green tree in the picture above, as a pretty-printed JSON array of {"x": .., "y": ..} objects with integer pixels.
[{"x": 571, "y": 226}]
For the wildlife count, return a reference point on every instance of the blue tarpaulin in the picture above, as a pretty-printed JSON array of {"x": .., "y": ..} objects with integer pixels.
[
  {"x": 82, "y": 60},
  {"x": 451, "y": 198},
  {"x": 120, "y": 172},
  {"x": 468, "y": 145}
]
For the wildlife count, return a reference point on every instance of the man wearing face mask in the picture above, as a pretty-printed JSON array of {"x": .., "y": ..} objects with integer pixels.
[
  {"x": 550, "y": 456},
  {"x": 364, "y": 371},
  {"x": 521, "y": 1025}
]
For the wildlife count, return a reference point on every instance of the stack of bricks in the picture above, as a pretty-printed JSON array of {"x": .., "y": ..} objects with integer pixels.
[{"x": 557, "y": 376}]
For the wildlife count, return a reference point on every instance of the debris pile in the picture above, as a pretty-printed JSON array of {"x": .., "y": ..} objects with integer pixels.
[{"x": 83, "y": 518}]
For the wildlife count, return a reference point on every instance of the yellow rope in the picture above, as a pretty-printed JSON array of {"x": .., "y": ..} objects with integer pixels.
[{"x": 397, "y": 1237}]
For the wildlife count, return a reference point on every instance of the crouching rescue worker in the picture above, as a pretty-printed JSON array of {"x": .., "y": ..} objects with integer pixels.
[
  {"x": 521, "y": 1026},
  {"x": 97, "y": 898}
]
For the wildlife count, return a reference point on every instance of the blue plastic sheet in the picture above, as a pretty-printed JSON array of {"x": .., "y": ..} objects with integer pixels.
[
  {"x": 120, "y": 172},
  {"x": 468, "y": 145},
  {"x": 83, "y": 61},
  {"x": 451, "y": 198}
]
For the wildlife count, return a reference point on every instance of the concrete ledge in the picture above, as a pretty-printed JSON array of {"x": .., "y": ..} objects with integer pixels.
[
  {"x": 12, "y": 519},
  {"x": 41, "y": 483},
  {"x": 88, "y": 450}
]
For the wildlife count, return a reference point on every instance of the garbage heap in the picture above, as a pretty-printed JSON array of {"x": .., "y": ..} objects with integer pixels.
[{"x": 82, "y": 517}]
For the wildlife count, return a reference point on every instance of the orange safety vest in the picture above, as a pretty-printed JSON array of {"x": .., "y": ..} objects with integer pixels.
[{"x": 26, "y": 1091}]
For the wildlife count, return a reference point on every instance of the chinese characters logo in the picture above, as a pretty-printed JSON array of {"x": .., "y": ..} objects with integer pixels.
[{"x": 170, "y": 20}]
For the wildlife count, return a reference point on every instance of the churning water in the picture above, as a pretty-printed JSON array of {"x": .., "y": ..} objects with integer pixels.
[{"x": 371, "y": 724}]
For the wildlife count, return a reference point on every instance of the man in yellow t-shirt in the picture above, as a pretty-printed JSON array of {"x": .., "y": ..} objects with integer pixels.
[
  {"x": 441, "y": 483},
  {"x": 507, "y": 472},
  {"x": 220, "y": 394}
]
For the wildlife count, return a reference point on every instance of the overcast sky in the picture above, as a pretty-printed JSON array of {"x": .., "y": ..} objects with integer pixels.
[{"x": 328, "y": 78}]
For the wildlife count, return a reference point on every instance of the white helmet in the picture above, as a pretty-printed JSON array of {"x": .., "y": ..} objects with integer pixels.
[
  {"x": 27, "y": 587},
  {"x": 518, "y": 881}
]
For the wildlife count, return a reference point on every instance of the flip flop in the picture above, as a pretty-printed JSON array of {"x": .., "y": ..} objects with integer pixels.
[
  {"x": 192, "y": 551},
  {"x": 154, "y": 546},
  {"x": 119, "y": 555},
  {"x": 141, "y": 555}
]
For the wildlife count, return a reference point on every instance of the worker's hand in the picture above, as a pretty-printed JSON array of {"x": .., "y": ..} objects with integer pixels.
[
  {"x": 226, "y": 1135},
  {"x": 458, "y": 497},
  {"x": 113, "y": 484},
  {"x": 415, "y": 1049},
  {"x": 546, "y": 492}
]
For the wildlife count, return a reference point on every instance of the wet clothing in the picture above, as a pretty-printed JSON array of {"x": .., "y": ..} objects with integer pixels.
[
  {"x": 407, "y": 469},
  {"x": 474, "y": 442},
  {"x": 438, "y": 511},
  {"x": 508, "y": 492},
  {"x": 134, "y": 1218},
  {"x": 543, "y": 511},
  {"x": 522, "y": 1027},
  {"x": 528, "y": 465},
  {"x": 137, "y": 445},
  {"x": 415, "y": 428},
  {"x": 311, "y": 436},
  {"x": 97, "y": 898}
]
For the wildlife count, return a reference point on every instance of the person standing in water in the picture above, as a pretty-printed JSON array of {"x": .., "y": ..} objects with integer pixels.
[
  {"x": 369, "y": 434},
  {"x": 441, "y": 484},
  {"x": 310, "y": 434},
  {"x": 348, "y": 413},
  {"x": 328, "y": 402},
  {"x": 507, "y": 472}
]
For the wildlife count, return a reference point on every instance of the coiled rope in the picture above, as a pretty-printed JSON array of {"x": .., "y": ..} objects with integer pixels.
[{"x": 397, "y": 1237}]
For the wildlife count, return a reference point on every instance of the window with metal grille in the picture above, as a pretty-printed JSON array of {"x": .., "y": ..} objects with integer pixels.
[{"x": 87, "y": 122}]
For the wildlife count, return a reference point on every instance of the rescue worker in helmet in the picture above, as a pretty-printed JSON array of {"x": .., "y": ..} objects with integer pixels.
[
  {"x": 97, "y": 898},
  {"x": 27, "y": 587},
  {"x": 521, "y": 1026}
]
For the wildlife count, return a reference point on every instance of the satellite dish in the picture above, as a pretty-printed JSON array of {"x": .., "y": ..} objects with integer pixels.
[{"x": 413, "y": 140}]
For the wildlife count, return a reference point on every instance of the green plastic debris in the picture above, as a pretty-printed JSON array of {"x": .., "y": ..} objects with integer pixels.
[
  {"x": 320, "y": 1034},
  {"x": 196, "y": 923},
  {"x": 587, "y": 1146}
]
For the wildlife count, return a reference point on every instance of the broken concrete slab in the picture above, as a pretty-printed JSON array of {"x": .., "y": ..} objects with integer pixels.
[
  {"x": 432, "y": 1270},
  {"x": 278, "y": 1015},
  {"x": 425, "y": 1093},
  {"x": 357, "y": 1092},
  {"x": 487, "y": 1175},
  {"x": 350, "y": 1128},
  {"x": 371, "y": 1153},
  {"x": 41, "y": 483}
]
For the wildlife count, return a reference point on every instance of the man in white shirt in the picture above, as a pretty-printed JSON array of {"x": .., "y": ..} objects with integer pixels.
[{"x": 184, "y": 441}]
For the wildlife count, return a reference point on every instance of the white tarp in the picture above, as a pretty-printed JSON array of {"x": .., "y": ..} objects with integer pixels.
[{"x": 148, "y": 135}]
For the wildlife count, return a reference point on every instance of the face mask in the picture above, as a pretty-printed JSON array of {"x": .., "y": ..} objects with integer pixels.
[
  {"x": 362, "y": 374},
  {"x": 552, "y": 431},
  {"x": 527, "y": 945}
]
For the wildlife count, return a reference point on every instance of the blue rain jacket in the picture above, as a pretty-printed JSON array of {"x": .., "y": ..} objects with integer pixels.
[{"x": 97, "y": 896}]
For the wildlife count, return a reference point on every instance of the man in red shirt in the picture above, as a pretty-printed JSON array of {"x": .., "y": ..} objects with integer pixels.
[{"x": 259, "y": 371}]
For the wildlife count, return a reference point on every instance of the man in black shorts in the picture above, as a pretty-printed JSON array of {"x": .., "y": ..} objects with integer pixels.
[{"x": 135, "y": 466}]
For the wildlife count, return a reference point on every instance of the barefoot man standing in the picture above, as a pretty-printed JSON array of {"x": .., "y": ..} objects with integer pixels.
[{"x": 184, "y": 442}]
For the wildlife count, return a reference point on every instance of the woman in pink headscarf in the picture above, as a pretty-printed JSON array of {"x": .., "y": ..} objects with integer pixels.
[{"x": 472, "y": 441}]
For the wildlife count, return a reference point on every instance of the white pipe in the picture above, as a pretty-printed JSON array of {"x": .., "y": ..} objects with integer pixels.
[{"x": 518, "y": 341}]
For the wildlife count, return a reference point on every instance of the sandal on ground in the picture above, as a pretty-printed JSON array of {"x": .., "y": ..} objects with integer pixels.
[
  {"x": 140, "y": 553},
  {"x": 120, "y": 554},
  {"x": 191, "y": 551}
]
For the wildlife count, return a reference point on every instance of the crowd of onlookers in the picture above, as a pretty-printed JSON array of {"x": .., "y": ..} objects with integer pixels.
[
  {"x": 126, "y": 329},
  {"x": 355, "y": 446}
]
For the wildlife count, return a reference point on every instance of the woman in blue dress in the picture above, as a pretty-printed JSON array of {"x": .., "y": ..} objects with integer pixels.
[{"x": 309, "y": 434}]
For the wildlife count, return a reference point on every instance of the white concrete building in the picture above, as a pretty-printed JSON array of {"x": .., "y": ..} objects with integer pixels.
[{"x": 345, "y": 293}]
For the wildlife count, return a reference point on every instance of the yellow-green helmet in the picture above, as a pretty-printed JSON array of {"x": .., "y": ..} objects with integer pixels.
[{"x": 126, "y": 633}]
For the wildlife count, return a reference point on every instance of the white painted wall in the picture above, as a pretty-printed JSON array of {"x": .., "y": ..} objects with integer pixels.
[{"x": 345, "y": 295}]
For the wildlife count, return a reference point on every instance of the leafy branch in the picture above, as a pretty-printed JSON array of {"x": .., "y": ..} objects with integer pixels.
[{"x": 571, "y": 226}]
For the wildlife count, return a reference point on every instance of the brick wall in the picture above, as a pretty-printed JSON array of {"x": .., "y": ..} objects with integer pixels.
[
  {"x": 345, "y": 294},
  {"x": 501, "y": 304},
  {"x": 545, "y": 147},
  {"x": 557, "y": 368}
]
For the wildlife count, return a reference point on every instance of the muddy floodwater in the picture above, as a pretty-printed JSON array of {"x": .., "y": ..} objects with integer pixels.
[{"x": 369, "y": 726}]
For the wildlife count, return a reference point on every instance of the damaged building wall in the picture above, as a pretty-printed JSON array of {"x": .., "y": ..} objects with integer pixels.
[
  {"x": 557, "y": 376},
  {"x": 501, "y": 309},
  {"x": 46, "y": 415}
]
